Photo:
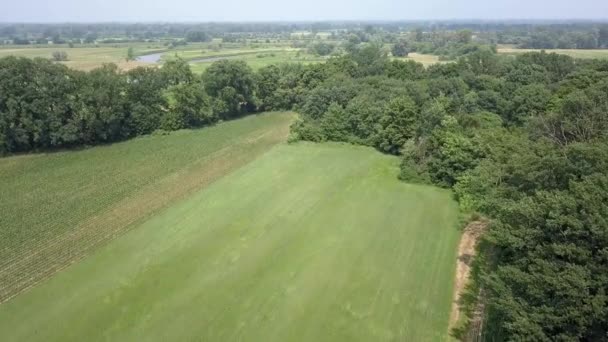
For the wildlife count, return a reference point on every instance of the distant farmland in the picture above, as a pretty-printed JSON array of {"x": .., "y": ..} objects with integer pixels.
[{"x": 309, "y": 242}]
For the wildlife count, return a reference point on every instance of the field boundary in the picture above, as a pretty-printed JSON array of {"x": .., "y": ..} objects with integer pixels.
[
  {"x": 41, "y": 261},
  {"x": 467, "y": 249}
]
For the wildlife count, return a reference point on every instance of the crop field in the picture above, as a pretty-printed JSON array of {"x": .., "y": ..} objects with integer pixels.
[
  {"x": 309, "y": 242},
  {"x": 574, "y": 53},
  {"x": 58, "y": 207}
]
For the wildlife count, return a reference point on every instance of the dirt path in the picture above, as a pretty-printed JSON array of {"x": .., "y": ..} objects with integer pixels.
[{"x": 466, "y": 254}]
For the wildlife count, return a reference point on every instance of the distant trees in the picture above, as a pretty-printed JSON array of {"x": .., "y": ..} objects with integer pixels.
[
  {"x": 232, "y": 84},
  {"x": 47, "y": 105},
  {"x": 59, "y": 56},
  {"x": 400, "y": 49},
  {"x": 464, "y": 36},
  {"x": 197, "y": 36},
  {"x": 322, "y": 48},
  {"x": 603, "y": 37},
  {"x": 130, "y": 54}
]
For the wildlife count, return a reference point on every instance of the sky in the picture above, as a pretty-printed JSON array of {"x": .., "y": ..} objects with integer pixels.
[{"x": 299, "y": 10}]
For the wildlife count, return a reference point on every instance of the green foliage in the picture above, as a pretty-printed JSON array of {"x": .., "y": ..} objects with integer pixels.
[
  {"x": 197, "y": 36},
  {"x": 400, "y": 49},
  {"x": 189, "y": 106},
  {"x": 60, "y": 56},
  {"x": 176, "y": 71},
  {"x": 371, "y": 59},
  {"x": 405, "y": 70},
  {"x": 398, "y": 124},
  {"x": 322, "y": 48},
  {"x": 233, "y": 84},
  {"x": 130, "y": 54}
]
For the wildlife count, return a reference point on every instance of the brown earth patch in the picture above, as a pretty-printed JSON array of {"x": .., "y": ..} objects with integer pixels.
[{"x": 466, "y": 254}]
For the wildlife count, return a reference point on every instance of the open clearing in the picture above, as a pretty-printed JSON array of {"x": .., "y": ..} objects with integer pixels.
[
  {"x": 309, "y": 242},
  {"x": 88, "y": 57},
  {"x": 426, "y": 60},
  {"x": 58, "y": 207}
]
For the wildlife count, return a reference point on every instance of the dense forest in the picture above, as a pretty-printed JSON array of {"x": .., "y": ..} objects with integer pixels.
[{"x": 521, "y": 140}]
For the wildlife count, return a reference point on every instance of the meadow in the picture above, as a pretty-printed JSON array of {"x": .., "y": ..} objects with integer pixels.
[
  {"x": 86, "y": 57},
  {"x": 309, "y": 242},
  {"x": 57, "y": 207}
]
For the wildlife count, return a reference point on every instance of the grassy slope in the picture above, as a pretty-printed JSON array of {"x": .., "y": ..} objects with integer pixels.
[
  {"x": 57, "y": 207},
  {"x": 308, "y": 243}
]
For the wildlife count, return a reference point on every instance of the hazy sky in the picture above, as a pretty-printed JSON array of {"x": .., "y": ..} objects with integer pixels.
[{"x": 282, "y": 10}]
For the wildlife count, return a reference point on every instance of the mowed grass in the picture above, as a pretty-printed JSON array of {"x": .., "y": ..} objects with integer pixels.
[
  {"x": 58, "y": 207},
  {"x": 310, "y": 242}
]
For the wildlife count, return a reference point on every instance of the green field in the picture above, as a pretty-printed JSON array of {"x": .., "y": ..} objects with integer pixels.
[
  {"x": 309, "y": 242},
  {"x": 89, "y": 57},
  {"x": 57, "y": 207},
  {"x": 260, "y": 59}
]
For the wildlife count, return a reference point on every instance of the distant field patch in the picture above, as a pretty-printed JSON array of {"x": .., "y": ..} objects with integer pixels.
[
  {"x": 84, "y": 58},
  {"x": 259, "y": 59},
  {"x": 421, "y": 58},
  {"x": 310, "y": 242},
  {"x": 58, "y": 207},
  {"x": 574, "y": 53}
]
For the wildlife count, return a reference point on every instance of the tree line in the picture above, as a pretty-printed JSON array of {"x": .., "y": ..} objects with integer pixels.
[{"x": 47, "y": 105}]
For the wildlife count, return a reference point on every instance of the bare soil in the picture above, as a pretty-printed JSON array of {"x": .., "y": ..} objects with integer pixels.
[{"x": 466, "y": 254}]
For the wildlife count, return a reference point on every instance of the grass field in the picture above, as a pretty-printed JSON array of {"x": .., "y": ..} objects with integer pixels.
[
  {"x": 309, "y": 242},
  {"x": 90, "y": 57},
  {"x": 58, "y": 207},
  {"x": 85, "y": 58},
  {"x": 575, "y": 53}
]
